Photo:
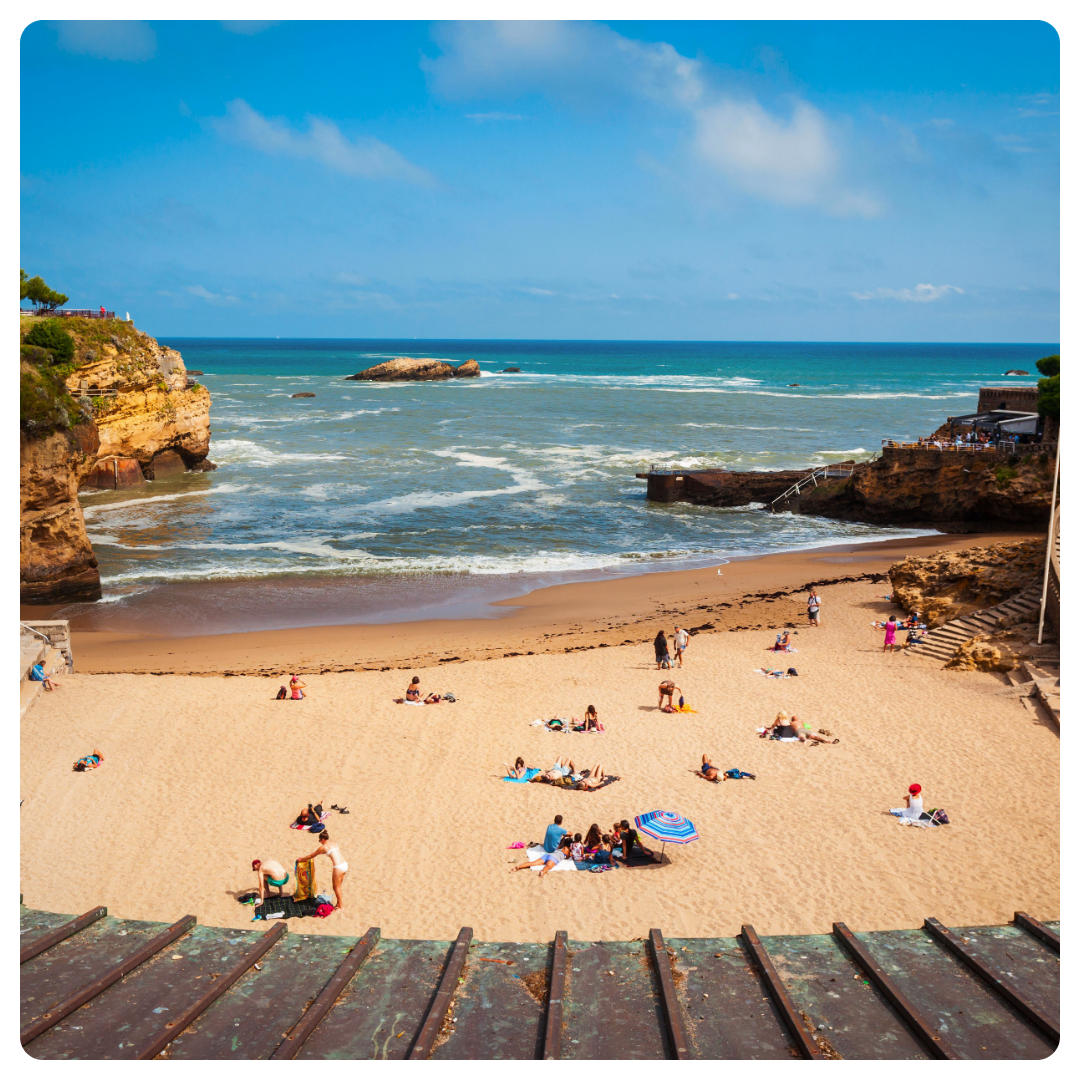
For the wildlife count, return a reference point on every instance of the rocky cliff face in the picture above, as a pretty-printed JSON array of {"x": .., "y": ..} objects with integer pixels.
[
  {"x": 959, "y": 492},
  {"x": 154, "y": 412},
  {"x": 950, "y": 584}
]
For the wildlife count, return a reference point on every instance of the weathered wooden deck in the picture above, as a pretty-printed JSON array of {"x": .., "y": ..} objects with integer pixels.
[{"x": 105, "y": 988}]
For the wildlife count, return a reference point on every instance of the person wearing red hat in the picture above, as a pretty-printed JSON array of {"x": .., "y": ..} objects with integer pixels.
[{"x": 913, "y": 807}]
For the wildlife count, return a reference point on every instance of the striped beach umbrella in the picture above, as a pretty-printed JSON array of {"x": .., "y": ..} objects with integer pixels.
[{"x": 667, "y": 827}]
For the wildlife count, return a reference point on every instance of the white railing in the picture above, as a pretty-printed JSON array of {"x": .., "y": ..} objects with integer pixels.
[{"x": 826, "y": 472}]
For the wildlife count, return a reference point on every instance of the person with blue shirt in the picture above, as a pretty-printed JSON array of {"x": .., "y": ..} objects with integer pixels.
[
  {"x": 37, "y": 674},
  {"x": 553, "y": 836}
]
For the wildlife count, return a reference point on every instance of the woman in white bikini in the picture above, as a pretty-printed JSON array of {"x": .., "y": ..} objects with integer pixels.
[{"x": 341, "y": 867}]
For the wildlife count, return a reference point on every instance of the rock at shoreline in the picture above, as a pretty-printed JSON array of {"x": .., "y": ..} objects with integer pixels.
[
  {"x": 794, "y": 384},
  {"x": 411, "y": 369},
  {"x": 303, "y": 395},
  {"x": 510, "y": 371},
  {"x": 190, "y": 371},
  {"x": 1017, "y": 371}
]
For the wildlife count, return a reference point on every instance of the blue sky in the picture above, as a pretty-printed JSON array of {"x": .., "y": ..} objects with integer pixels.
[{"x": 688, "y": 180}]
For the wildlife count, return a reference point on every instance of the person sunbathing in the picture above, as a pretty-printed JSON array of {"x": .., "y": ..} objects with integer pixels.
[
  {"x": 710, "y": 771},
  {"x": 549, "y": 860},
  {"x": 91, "y": 761},
  {"x": 805, "y": 733},
  {"x": 595, "y": 779},
  {"x": 432, "y": 699},
  {"x": 559, "y": 773},
  {"x": 311, "y": 816},
  {"x": 780, "y": 728},
  {"x": 518, "y": 771}
]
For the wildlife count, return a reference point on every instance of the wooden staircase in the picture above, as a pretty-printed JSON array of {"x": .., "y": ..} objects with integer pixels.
[{"x": 942, "y": 642}]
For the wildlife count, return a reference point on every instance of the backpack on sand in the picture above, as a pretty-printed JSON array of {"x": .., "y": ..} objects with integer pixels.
[
  {"x": 282, "y": 694},
  {"x": 939, "y": 817},
  {"x": 792, "y": 671}
]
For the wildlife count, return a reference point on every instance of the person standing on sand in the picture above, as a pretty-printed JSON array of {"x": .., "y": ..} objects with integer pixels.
[
  {"x": 682, "y": 639},
  {"x": 890, "y": 635},
  {"x": 813, "y": 605},
  {"x": 270, "y": 873},
  {"x": 660, "y": 647},
  {"x": 341, "y": 867}
]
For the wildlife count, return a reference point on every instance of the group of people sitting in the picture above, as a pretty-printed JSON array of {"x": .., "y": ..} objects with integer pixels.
[
  {"x": 564, "y": 773},
  {"x": 791, "y": 728},
  {"x": 623, "y": 844}
]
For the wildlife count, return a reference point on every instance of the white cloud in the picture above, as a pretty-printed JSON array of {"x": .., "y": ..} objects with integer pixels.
[
  {"x": 107, "y": 39},
  {"x": 247, "y": 27},
  {"x": 533, "y": 291},
  {"x": 485, "y": 117},
  {"x": 793, "y": 160},
  {"x": 921, "y": 294},
  {"x": 322, "y": 142},
  {"x": 205, "y": 294}
]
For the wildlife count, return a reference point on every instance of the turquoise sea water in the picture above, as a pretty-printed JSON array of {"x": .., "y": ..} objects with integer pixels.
[{"x": 373, "y": 501}]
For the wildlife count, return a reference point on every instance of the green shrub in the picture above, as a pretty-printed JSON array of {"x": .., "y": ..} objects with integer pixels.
[
  {"x": 35, "y": 354},
  {"x": 1004, "y": 476},
  {"x": 44, "y": 403},
  {"x": 50, "y": 335},
  {"x": 1044, "y": 457}
]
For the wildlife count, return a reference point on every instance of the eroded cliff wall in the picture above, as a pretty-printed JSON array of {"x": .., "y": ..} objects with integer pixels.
[
  {"x": 958, "y": 492},
  {"x": 154, "y": 410}
]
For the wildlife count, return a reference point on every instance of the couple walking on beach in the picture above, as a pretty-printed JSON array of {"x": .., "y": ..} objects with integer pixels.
[{"x": 660, "y": 646}]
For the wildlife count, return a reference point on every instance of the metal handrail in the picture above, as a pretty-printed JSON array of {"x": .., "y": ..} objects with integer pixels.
[
  {"x": 825, "y": 471},
  {"x": 38, "y": 633}
]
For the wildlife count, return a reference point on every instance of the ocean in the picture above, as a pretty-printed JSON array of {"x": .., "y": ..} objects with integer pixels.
[{"x": 377, "y": 502}]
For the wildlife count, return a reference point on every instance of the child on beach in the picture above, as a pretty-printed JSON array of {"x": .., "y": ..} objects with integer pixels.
[{"x": 577, "y": 848}]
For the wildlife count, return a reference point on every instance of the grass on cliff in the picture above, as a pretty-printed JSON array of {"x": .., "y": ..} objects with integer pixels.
[
  {"x": 89, "y": 335},
  {"x": 44, "y": 402}
]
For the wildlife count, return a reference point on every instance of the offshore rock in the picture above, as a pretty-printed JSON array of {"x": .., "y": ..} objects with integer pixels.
[
  {"x": 958, "y": 492},
  {"x": 950, "y": 584},
  {"x": 154, "y": 415},
  {"x": 470, "y": 369},
  {"x": 302, "y": 395},
  {"x": 1017, "y": 371},
  {"x": 411, "y": 369}
]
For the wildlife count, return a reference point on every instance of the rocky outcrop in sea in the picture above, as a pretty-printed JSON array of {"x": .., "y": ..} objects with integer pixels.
[{"x": 411, "y": 369}]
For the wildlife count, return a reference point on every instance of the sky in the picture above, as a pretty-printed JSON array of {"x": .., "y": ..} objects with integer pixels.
[{"x": 766, "y": 181}]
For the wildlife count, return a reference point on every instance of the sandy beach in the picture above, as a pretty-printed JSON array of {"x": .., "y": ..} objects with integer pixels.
[{"x": 203, "y": 774}]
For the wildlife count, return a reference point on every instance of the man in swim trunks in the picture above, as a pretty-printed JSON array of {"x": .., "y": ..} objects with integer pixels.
[
  {"x": 710, "y": 771},
  {"x": 270, "y": 873},
  {"x": 682, "y": 639}
]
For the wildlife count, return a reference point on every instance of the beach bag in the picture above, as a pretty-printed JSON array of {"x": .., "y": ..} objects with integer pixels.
[
  {"x": 323, "y": 910},
  {"x": 666, "y": 662},
  {"x": 939, "y": 817},
  {"x": 282, "y": 694},
  {"x": 792, "y": 671},
  {"x": 682, "y": 701},
  {"x": 449, "y": 697}
]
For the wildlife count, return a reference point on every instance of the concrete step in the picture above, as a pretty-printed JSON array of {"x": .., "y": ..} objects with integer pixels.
[
  {"x": 54, "y": 662},
  {"x": 28, "y": 694},
  {"x": 30, "y": 652},
  {"x": 1017, "y": 679}
]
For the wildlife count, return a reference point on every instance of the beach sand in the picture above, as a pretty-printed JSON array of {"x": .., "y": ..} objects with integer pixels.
[{"x": 203, "y": 774}]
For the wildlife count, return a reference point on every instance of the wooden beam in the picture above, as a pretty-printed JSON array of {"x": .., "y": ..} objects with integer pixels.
[
  {"x": 556, "y": 991},
  {"x": 440, "y": 1004},
  {"x": 103, "y": 982},
  {"x": 672, "y": 1013},
  {"x": 944, "y": 936},
  {"x": 36, "y": 948},
  {"x": 1036, "y": 929},
  {"x": 150, "y": 1049},
  {"x": 934, "y": 1043},
  {"x": 330, "y": 993},
  {"x": 804, "y": 1041}
]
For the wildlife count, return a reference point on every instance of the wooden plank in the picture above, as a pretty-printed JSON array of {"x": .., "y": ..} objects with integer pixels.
[
  {"x": 47, "y": 941},
  {"x": 672, "y": 1013},
  {"x": 173, "y": 1028},
  {"x": 330, "y": 993},
  {"x": 781, "y": 999},
  {"x": 556, "y": 993},
  {"x": 440, "y": 1004},
  {"x": 1036, "y": 929},
  {"x": 862, "y": 956},
  {"x": 114, "y": 974},
  {"x": 944, "y": 936}
]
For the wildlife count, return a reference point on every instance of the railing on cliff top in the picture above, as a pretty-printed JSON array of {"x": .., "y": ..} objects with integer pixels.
[
  {"x": 1003, "y": 447},
  {"x": 81, "y": 313}
]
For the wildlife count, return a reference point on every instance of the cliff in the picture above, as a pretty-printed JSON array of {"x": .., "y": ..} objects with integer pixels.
[
  {"x": 950, "y": 584},
  {"x": 148, "y": 413},
  {"x": 956, "y": 492},
  {"x": 410, "y": 369}
]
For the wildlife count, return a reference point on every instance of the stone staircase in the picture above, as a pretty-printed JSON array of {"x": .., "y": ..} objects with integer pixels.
[
  {"x": 1042, "y": 685},
  {"x": 942, "y": 642},
  {"x": 47, "y": 643}
]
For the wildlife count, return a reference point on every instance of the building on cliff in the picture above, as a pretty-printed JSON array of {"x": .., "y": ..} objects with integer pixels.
[{"x": 124, "y": 407}]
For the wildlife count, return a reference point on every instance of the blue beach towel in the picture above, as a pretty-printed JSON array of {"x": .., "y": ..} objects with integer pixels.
[{"x": 529, "y": 774}]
